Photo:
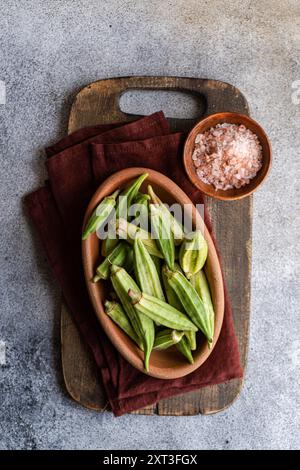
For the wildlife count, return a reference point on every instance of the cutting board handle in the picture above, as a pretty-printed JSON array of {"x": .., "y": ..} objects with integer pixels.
[
  {"x": 105, "y": 95},
  {"x": 200, "y": 99}
]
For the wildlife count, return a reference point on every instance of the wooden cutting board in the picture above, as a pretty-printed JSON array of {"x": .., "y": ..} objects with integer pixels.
[{"x": 98, "y": 103}]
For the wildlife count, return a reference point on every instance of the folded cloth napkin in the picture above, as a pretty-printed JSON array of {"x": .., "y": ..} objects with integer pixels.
[{"x": 76, "y": 165}]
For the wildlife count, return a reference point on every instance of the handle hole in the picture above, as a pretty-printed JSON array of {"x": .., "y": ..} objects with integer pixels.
[{"x": 175, "y": 104}]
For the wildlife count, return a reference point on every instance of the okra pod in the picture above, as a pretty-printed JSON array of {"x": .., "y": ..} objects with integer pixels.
[
  {"x": 123, "y": 204},
  {"x": 191, "y": 302},
  {"x": 193, "y": 253},
  {"x": 199, "y": 281},
  {"x": 160, "y": 312},
  {"x": 173, "y": 300},
  {"x": 115, "y": 311},
  {"x": 100, "y": 215},
  {"x": 167, "y": 338},
  {"x": 128, "y": 195},
  {"x": 118, "y": 257},
  {"x": 128, "y": 231},
  {"x": 185, "y": 349},
  {"x": 129, "y": 263},
  {"x": 157, "y": 262},
  {"x": 108, "y": 244},
  {"x": 161, "y": 228},
  {"x": 145, "y": 271},
  {"x": 191, "y": 337},
  {"x": 176, "y": 227},
  {"x": 140, "y": 215},
  {"x": 143, "y": 326},
  {"x": 140, "y": 196},
  {"x": 171, "y": 295}
]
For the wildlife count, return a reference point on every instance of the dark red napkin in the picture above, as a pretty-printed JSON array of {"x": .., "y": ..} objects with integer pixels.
[
  {"x": 57, "y": 211},
  {"x": 70, "y": 170},
  {"x": 79, "y": 137}
]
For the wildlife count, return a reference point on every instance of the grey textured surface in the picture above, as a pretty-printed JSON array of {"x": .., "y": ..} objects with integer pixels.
[{"x": 48, "y": 51}]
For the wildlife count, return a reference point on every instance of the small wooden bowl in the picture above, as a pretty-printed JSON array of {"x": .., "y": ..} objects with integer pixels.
[
  {"x": 233, "y": 118},
  {"x": 168, "y": 364}
]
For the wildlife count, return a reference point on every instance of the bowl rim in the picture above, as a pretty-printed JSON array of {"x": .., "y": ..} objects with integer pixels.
[
  {"x": 202, "y": 186},
  {"x": 127, "y": 353}
]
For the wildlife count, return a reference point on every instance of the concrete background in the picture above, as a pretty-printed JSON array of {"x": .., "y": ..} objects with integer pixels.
[{"x": 48, "y": 51}]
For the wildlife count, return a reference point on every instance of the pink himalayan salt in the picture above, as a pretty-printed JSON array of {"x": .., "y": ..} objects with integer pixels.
[{"x": 227, "y": 156}]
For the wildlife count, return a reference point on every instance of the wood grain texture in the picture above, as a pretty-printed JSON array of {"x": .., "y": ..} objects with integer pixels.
[
  {"x": 79, "y": 369},
  {"x": 98, "y": 103}
]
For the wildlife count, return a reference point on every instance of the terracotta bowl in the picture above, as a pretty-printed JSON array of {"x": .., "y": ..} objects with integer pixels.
[
  {"x": 168, "y": 364},
  {"x": 232, "y": 118}
]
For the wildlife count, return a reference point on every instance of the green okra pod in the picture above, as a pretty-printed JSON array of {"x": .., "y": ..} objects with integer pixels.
[
  {"x": 159, "y": 311},
  {"x": 108, "y": 244},
  {"x": 129, "y": 194},
  {"x": 118, "y": 256},
  {"x": 143, "y": 326},
  {"x": 171, "y": 295},
  {"x": 129, "y": 263},
  {"x": 145, "y": 271},
  {"x": 176, "y": 227},
  {"x": 191, "y": 302},
  {"x": 191, "y": 337},
  {"x": 116, "y": 312},
  {"x": 185, "y": 349},
  {"x": 193, "y": 253},
  {"x": 157, "y": 262},
  {"x": 173, "y": 300},
  {"x": 199, "y": 281},
  {"x": 164, "y": 237},
  {"x": 139, "y": 195},
  {"x": 140, "y": 211},
  {"x": 100, "y": 215},
  {"x": 167, "y": 338},
  {"x": 127, "y": 231},
  {"x": 141, "y": 198},
  {"x": 123, "y": 204}
]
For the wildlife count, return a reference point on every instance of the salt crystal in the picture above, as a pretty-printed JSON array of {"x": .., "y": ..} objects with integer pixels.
[{"x": 227, "y": 156}]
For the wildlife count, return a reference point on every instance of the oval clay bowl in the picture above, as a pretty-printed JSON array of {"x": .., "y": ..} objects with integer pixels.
[
  {"x": 168, "y": 364},
  {"x": 212, "y": 121}
]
